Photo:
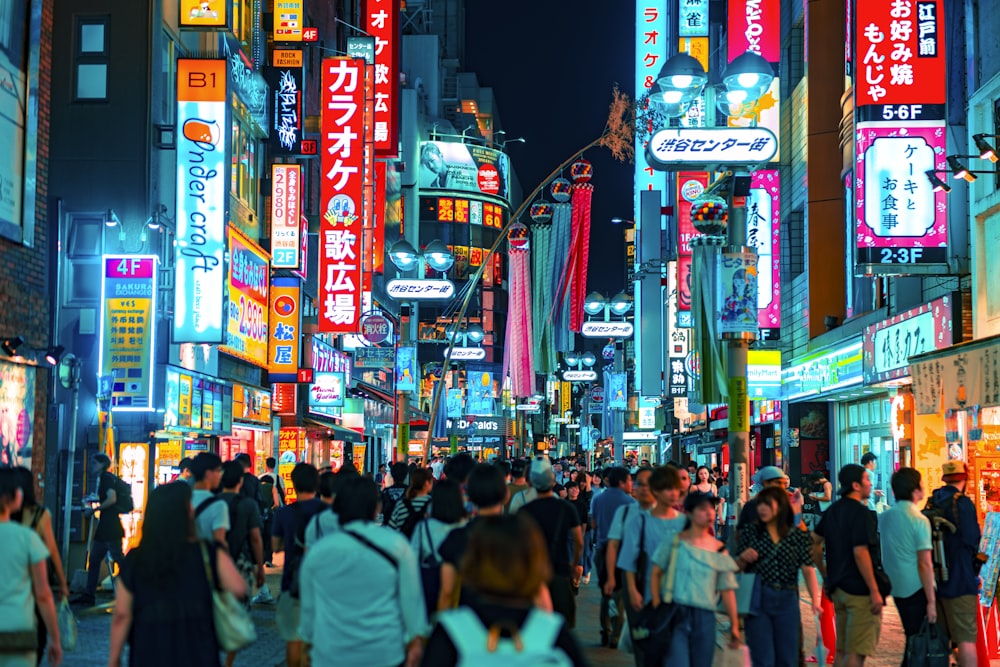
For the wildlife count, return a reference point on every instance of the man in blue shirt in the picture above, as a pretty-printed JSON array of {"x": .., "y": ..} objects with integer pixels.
[
  {"x": 958, "y": 598},
  {"x": 602, "y": 512}
]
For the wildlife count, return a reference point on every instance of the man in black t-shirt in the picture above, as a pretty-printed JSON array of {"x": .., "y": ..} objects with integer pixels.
[
  {"x": 561, "y": 526},
  {"x": 109, "y": 532},
  {"x": 394, "y": 493},
  {"x": 849, "y": 531}
]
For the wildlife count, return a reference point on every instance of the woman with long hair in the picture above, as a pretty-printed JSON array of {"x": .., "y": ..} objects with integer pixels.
[
  {"x": 163, "y": 603},
  {"x": 507, "y": 563},
  {"x": 25, "y": 584},
  {"x": 39, "y": 519},
  {"x": 414, "y": 501},
  {"x": 703, "y": 481},
  {"x": 775, "y": 550},
  {"x": 447, "y": 513}
]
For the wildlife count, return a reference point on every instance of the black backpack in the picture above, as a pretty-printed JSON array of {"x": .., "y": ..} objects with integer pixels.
[
  {"x": 413, "y": 518},
  {"x": 941, "y": 516},
  {"x": 123, "y": 494}
]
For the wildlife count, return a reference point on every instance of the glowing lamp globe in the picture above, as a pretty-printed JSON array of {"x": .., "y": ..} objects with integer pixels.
[
  {"x": 581, "y": 171},
  {"x": 517, "y": 238},
  {"x": 541, "y": 212},
  {"x": 561, "y": 190},
  {"x": 710, "y": 215}
]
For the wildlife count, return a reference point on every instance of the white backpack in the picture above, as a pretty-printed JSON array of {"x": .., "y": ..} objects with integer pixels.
[{"x": 533, "y": 645}]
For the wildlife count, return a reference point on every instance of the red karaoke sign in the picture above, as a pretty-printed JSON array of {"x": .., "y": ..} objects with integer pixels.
[{"x": 382, "y": 23}]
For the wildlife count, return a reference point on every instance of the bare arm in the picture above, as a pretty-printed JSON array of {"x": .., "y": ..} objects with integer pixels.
[
  {"x": 577, "y": 536},
  {"x": 818, "y": 554},
  {"x": 47, "y": 608},
  {"x": 809, "y": 574},
  {"x": 121, "y": 623},
  {"x": 449, "y": 584},
  {"x": 926, "y": 569},
  {"x": 45, "y": 528},
  {"x": 655, "y": 585},
  {"x": 634, "y": 596},
  {"x": 230, "y": 578},
  {"x": 863, "y": 559},
  {"x": 611, "y": 561},
  {"x": 729, "y": 602}
]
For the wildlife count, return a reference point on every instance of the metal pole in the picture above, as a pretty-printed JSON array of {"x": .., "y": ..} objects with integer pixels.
[
  {"x": 70, "y": 461},
  {"x": 619, "y": 414}
]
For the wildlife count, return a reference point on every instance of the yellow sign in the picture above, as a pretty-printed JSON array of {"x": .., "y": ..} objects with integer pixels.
[
  {"x": 288, "y": 19},
  {"x": 291, "y": 445},
  {"x": 697, "y": 48},
  {"x": 359, "y": 457},
  {"x": 203, "y": 13},
  {"x": 739, "y": 406},
  {"x": 249, "y": 306},
  {"x": 286, "y": 58},
  {"x": 283, "y": 343},
  {"x": 565, "y": 398},
  {"x": 133, "y": 470}
]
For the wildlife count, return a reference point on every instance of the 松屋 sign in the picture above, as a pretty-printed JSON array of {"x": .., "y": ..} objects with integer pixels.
[
  {"x": 341, "y": 194},
  {"x": 606, "y": 329},
  {"x": 382, "y": 23},
  {"x": 286, "y": 180},
  {"x": 128, "y": 332},
  {"x": 675, "y": 149},
  {"x": 202, "y": 150},
  {"x": 284, "y": 322},
  {"x": 889, "y": 344}
]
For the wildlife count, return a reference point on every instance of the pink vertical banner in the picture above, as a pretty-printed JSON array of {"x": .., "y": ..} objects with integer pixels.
[{"x": 764, "y": 236}]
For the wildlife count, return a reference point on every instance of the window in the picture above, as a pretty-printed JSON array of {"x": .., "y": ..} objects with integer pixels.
[
  {"x": 244, "y": 161},
  {"x": 168, "y": 78},
  {"x": 243, "y": 16},
  {"x": 82, "y": 283},
  {"x": 92, "y": 58}
]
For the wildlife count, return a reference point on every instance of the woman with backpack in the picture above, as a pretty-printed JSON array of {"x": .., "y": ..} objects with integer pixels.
[
  {"x": 447, "y": 513},
  {"x": 408, "y": 512},
  {"x": 163, "y": 601},
  {"x": 506, "y": 562},
  {"x": 39, "y": 519}
]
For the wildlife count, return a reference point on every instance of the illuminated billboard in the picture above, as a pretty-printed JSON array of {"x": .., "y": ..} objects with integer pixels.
[
  {"x": 128, "y": 329},
  {"x": 448, "y": 165},
  {"x": 249, "y": 279},
  {"x": 286, "y": 206},
  {"x": 382, "y": 23}
]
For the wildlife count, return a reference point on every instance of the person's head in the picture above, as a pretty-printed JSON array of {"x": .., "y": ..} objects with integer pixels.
[
  {"x": 358, "y": 500},
  {"x": 700, "y": 509},
  {"x": 618, "y": 477},
  {"x": 185, "y": 468},
  {"x": 641, "y": 490},
  {"x": 772, "y": 476},
  {"x": 739, "y": 280},
  {"x": 854, "y": 482},
  {"x": 869, "y": 460},
  {"x": 421, "y": 483},
  {"x": 506, "y": 558},
  {"x": 305, "y": 478},
  {"x": 517, "y": 469},
  {"x": 244, "y": 460},
  {"x": 432, "y": 158},
  {"x": 399, "y": 470},
  {"x": 27, "y": 482},
  {"x": 167, "y": 525},
  {"x": 11, "y": 493},
  {"x": 665, "y": 485},
  {"x": 542, "y": 474},
  {"x": 381, "y": 467},
  {"x": 325, "y": 486},
  {"x": 572, "y": 490},
  {"x": 906, "y": 485},
  {"x": 486, "y": 487},
  {"x": 685, "y": 475},
  {"x": 955, "y": 473},
  {"x": 703, "y": 475},
  {"x": 447, "y": 504},
  {"x": 819, "y": 477},
  {"x": 269, "y": 463},
  {"x": 232, "y": 476},
  {"x": 206, "y": 468},
  {"x": 691, "y": 468},
  {"x": 459, "y": 466},
  {"x": 99, "y": 463},
  {"x": 773, "y": 506},
  {"x": 504, "y": 467}
]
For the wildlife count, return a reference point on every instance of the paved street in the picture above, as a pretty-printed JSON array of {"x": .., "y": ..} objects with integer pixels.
[{"x": 268, "y": 651}]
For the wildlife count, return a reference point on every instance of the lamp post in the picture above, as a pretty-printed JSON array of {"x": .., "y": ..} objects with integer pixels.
[
  {"x": 69, "y": 377},
  {"x": 681, "y": 81},
  {"x": 619, "y": 306}
]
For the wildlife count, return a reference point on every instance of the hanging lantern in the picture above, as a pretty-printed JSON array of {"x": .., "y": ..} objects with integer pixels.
[
  {"x": 541, "y": 212},
  {"x": 561, "y": 190},
  {"x": 517, "y": 237},
  {"x": 710, "y": 215},
  {"x": 608, "y": 352},
  {"x": 581, "y": 171}
]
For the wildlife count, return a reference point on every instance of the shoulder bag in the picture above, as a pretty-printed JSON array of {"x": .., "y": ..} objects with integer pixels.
[
  {"x": 430, "y": 570},
  {"x": 654, "y": 626},
  {"x": 233, "y": 626}
]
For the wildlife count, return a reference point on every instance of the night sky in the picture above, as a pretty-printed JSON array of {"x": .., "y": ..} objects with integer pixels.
[{"x": 552, "y": 66}]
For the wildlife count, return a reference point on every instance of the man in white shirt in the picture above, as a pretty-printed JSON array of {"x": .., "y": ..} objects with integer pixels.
[{"x": 211, "y": 516}]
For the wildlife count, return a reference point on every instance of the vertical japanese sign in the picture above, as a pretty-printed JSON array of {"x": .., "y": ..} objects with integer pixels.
[
  {"x": 379, "y": 216},
  {"x": 677, "y": 340},
  {"x": 692, "y": 18},
  {"x": 200, "y": 271},
  {"x": 288, "y": 20},
  {"x": 284, "y": 323},
  {"x": 341, "y": 193},
  {"x": 690, "y": 185},
  {"x": 284, "y": 82},
  {"x": 128, "y": 308},
  {"x": 618, "y": 388},
  {"x": 888, "y": 345},
  {"x": 286, "y": 206},
  {"x": 901, "y": 223},
  {"x": 737, "y": 293},
  {"x": 382, "y": 22},
  {"x": 368, "y": 185},
  {"x": 764, "y": 236},
  {"x": 755, "y": 25},
  {"x": 406, "y": 369},
  {"x": 249, "y": 279},
  {"x": 651, "y": 39}
]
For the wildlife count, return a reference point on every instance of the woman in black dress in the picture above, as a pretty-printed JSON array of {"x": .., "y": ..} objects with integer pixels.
[{"x": 163, "y": 604}]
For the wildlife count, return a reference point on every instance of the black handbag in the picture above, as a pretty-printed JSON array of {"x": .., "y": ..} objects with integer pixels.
[
  {"x": 430, "y": 572},
  {"x": 928, "y": 648},
  {"x": 653, "y": 627}
]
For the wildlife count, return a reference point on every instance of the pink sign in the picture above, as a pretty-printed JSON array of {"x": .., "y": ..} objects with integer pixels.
[
  {"x": 764, "y": 236},
  {"x": 755, "y": 25}
]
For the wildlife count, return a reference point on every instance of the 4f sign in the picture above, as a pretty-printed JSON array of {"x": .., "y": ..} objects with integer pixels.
[{"x": 606, "y": 329}]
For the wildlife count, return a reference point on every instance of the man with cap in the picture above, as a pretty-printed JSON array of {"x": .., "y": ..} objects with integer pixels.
[
  {"x": 767, "y": 477},
  {"x": 560, "y": 524},
  {"x": 958, "y": 597},
  {"x": 849, "y": 531}
]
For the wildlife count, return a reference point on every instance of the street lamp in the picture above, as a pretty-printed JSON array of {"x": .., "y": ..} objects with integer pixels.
[
  {"x": 403, "y": 255},
  {"x": 619, "y": 305},
  {"x": 682, "y": 79}
]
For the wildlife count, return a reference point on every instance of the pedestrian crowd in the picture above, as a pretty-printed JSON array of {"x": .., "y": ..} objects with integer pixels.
[{"x": 462, "y": 562}]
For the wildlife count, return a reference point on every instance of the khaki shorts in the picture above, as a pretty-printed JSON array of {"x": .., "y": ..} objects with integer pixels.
[
  {"x": 286, "y": 617},
  {"x": 959, "y": 617},
  {"x": 857, "y": 627}
]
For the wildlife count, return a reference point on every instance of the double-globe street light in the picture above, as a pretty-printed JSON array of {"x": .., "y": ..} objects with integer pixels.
[{"x": 681, "y": 81}]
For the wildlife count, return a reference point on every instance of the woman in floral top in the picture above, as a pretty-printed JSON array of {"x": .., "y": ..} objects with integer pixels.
[
  {"x": 702, "y": 571},
  {"x": 775, "y": 550}
]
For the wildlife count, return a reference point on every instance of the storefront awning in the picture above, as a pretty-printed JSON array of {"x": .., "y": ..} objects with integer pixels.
[
  {"x": 957, "y": 377},
  {"x": 339, "y": 432}
]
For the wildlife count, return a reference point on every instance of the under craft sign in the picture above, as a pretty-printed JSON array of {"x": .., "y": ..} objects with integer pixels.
[{"x": 703, "y": 147}]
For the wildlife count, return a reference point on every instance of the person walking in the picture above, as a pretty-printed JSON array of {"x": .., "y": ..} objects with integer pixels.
[
  {"x": 957, "y": 598},
  {"x": 24, "y": 588},
  {"x": 703, "y": 572},
  {"x": 447, "y": 512},
  {"x": 246, "y": 547},
  {"x": 518, "y": 481},
  {"x": 412, "y": 507},
  {"x": 775, "y": 550},
  {"x": 109, "y": 532},
  {"x": 703, "y": 482},
  {"x": 605, "y": 509},
  {"x": 849, "y": 532},
  {"x": 876, "y": 501},
  {"x": 342, "y": 613},
  {"x": 395, "y": 492},
  {"x": 163, "y": 604},
  {"x": 211, "y": 515},
  {"x": 271, "y": 486},
  {"x": 506, "y": 563},
  {"x": 906, "y": 534}
]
